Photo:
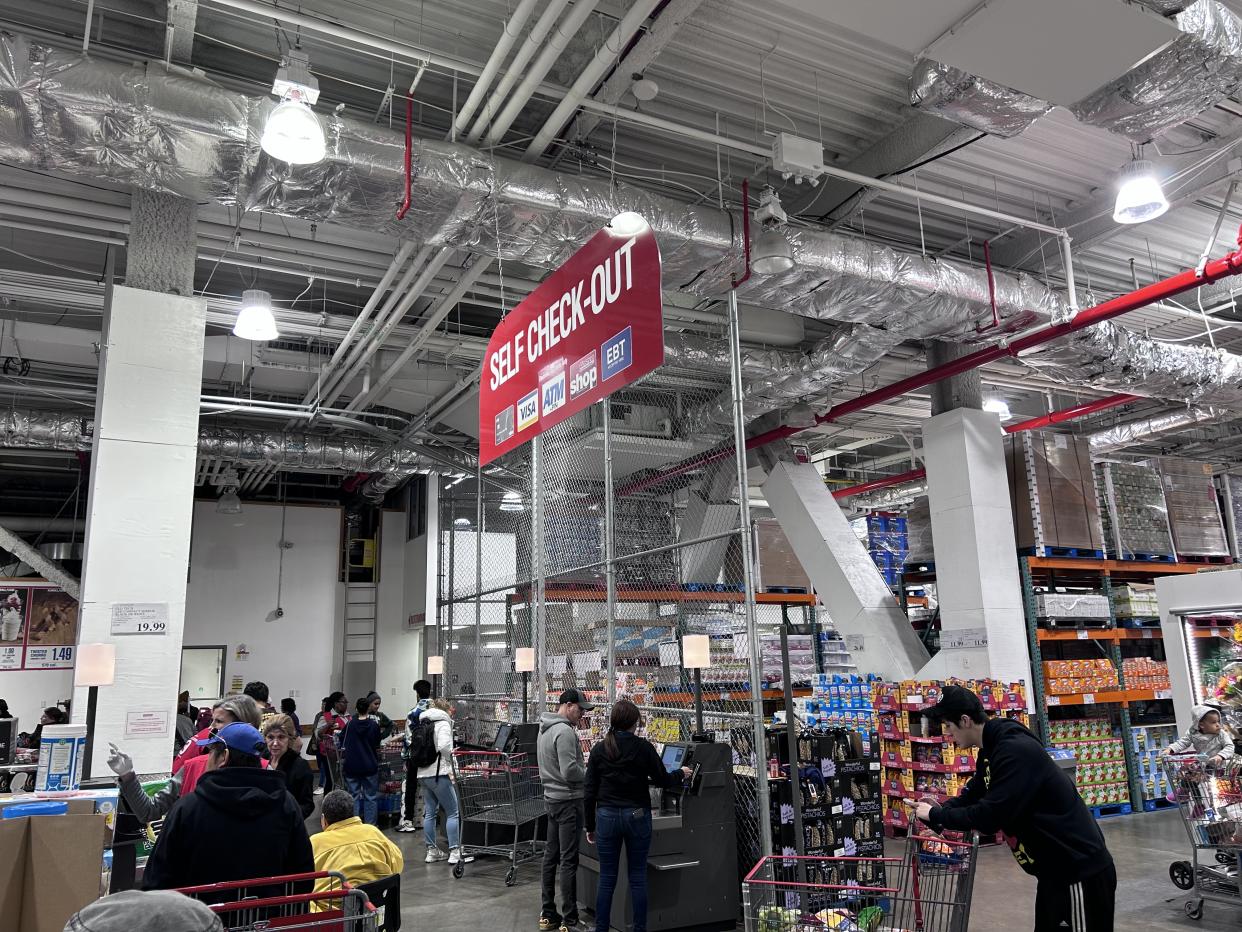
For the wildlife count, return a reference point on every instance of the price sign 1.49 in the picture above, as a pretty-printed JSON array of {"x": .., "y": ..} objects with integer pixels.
[{"x": 139, "y": 618}]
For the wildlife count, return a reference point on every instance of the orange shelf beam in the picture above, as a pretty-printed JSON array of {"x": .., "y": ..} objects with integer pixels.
[{"x": 1122, "y": 697}]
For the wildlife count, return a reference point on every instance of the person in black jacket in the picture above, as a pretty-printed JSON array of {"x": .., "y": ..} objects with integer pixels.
[
  {"x": 619, "y": 772},
  {"x": 279, "y": 734},
  {"x": 1019, "y": 790},
  {"x": 210, "y": 835}
]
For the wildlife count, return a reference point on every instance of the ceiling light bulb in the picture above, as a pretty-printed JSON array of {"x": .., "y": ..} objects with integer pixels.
[
  {"x": 255, "y": 320},
  {"x": 771, "y": 253},
  {"x": 1140, "y": 196},
  {"x": 644, "y": 89},
  {"x": 292, "y": 133},
  {"x": 998, "y": 407},
  {"x": 461, "y": 522},
  {"x": 628, "y": 223},
  {"x": 228, "y": 503},
  {"x": 512, "y": 502}
]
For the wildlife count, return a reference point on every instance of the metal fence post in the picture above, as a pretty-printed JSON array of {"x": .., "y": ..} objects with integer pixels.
[
  {"x": 610, "y": 568},
  {"x": 478, "y": 602},
  {"x": 538, "y": 554},
  {"x": 748, "y": 577}
]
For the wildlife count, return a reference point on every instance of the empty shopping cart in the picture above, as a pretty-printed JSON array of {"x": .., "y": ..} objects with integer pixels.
[{"x": 500, "y": 795}]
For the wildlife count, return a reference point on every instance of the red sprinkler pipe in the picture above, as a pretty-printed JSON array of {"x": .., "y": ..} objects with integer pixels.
[
  {"x": 738, "y": 282},
  {"x": 1214, "y": 271},
  {"x": 409, "y": 167},
  {"x": 1035, "y": 423},
  {"x": 987, "y": 262}
]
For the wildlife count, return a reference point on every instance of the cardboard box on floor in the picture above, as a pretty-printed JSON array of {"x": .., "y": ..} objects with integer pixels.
[{"x": 50, "y": 867}]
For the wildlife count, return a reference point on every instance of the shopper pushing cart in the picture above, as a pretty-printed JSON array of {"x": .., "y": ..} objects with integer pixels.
[{"x": 1017, "y": 789}]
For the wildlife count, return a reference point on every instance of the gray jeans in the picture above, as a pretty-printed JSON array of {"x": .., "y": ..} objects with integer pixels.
[{"x": 565, "y": 822}]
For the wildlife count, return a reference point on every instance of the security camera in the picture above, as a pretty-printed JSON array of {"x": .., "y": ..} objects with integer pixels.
[{"x": 280, "y": 612}]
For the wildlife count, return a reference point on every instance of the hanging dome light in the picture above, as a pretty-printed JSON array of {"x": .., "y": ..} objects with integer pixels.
[
  {"x": 771, "y": 253},
  {"x": 228, "y": 503},
  {"x": 1140, "y": 196},
  {"x": 628, "y": 223},
  {"x": 461, "y": 522},
  {"x": 512, "y": 502},
  {"x": 998, "y": 407},
  {"x": 292, "y": 133},
  {"x": 255, "y": 320}
]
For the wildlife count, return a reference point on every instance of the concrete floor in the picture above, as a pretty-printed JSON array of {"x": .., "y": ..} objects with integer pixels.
[{"x": 1142, "y": 846}]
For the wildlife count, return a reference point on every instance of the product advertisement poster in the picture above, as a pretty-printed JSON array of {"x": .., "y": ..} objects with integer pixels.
[
  {"x": 591, "y": 327},
  {"x": 38, "y": 628}
]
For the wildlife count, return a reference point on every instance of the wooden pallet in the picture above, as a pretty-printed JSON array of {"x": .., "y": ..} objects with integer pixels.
[
  {"x": 1076, "y": 553},
  {"x": 1111, "y": 810},
  {"x": 1205, "y": 560},
  {"x": 1149, "y": 557}
]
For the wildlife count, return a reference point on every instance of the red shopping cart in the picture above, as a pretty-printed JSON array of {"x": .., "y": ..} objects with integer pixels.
[
  {"x": 285, "y": 902},
  {"x": 927, "y": 889}
]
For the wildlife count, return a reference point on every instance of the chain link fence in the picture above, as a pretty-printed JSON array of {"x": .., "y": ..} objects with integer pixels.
[{"x": 589, "y": 553}]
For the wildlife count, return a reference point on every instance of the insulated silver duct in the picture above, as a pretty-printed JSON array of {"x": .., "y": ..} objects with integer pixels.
[
  {"x": 1197, "y": 70},
  {"x": 972, "y": 101},
  {"x": 1136, "y": 432}
]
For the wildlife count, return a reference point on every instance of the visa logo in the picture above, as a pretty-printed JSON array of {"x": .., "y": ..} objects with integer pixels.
[{"x": 528, "y": 410}]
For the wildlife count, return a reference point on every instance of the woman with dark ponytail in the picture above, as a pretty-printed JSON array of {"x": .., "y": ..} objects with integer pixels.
[{"x": 619, "y": 772}]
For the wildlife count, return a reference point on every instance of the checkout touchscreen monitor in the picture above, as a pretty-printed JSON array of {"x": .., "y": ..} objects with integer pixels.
[
  {"x": 503, "y": 734},
  {"x": 674, "y": 756}
]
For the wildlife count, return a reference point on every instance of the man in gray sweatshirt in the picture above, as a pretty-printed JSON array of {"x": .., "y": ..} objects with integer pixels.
[{"x": 563, "y": 774}]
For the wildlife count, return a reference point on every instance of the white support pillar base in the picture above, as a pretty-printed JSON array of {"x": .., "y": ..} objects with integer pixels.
[
  {"x": 860, "y": 603},
  {"x": 976, "y": 556},
  {"x": 140, "y": 510}
]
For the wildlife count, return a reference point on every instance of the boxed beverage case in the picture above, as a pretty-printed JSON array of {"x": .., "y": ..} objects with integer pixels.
[
  {"x": 1052, "y": 489},
  {"x": 1194, "y": 515}
]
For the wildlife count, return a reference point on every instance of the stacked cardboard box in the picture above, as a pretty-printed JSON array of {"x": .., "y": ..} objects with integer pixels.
[
  {"x": 1071, "y": 605},
  {"x": 1231, "y": 499},
  {"x": 1136, "y": 520},
  {"x": 779, "y": 567},
  {"x": 1147, "y": 741},
  {"x": 1194, "y": 516},
  {"x": 1101, "y": 772},
  {"x": 919, "y": 532},
  {"x": 1070, "y": 677},
  {"x": 1052, "y": 488},
  {"x": 1136, "y": 600},
  {"x": 1145, "y": 673}
]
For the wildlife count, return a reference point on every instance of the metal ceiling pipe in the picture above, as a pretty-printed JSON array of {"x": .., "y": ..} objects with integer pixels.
[
  {"x": 513, "y": 29},
  {"x": 607, "y": 56},
  {"x": 1215, "y": 270},
  {"x": 1035, "y": 423},
  {"x": 557, "y": 42},
  {"x": 513, "y": 74}
]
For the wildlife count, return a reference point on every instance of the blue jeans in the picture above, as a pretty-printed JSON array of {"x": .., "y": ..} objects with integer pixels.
[
  {"x": 365, "y": 791},
  {"x": 439, "y": 793},
  {"x": 613, "y": 825}
]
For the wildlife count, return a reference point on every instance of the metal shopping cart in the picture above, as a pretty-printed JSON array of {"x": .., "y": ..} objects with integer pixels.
[
  {"x": 1210, "y": 801},
  {"x": 284, "y": 902},
  {"x": 330, "y": 750},
  {"x": 391, "y": 782},
  {"x": 501, "y": 795},
  {"x": 927, "y": 889}
]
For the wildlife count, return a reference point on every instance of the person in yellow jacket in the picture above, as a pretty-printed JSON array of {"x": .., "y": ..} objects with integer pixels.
[{"x": 351, "y": 847}]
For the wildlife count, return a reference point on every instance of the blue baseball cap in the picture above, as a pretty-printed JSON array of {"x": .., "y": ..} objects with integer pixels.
[{"x": 236, "y": 736}]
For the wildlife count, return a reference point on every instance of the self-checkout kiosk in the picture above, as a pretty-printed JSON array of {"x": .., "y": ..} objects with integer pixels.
[{"x": 692, "y": 864}]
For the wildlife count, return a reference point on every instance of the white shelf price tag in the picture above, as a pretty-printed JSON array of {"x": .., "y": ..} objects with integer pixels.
[
  {"x": 1147, "y": 634},
  {"x": 139, "y": 618},
  {"x": 1164, "y": 694},
  {"x": 1083, "y": 635},
  {"x": 1088, "y": 698},
  {"x": 1054, "y": 700}
]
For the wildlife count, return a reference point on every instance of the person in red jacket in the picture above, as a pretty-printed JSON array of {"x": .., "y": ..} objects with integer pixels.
[{"x": 330, "y": 725}]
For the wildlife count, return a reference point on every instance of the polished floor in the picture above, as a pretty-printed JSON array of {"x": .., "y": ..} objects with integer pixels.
[{"x": 1142, "y": 845}]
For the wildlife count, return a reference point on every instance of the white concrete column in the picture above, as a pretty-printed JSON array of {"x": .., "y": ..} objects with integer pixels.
[
  {"x": 140, "y": 508},
  {"x": 976, "y": 557}
]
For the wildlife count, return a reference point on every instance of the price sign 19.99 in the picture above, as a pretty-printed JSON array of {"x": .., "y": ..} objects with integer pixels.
[{"x": 139, "y": 618}]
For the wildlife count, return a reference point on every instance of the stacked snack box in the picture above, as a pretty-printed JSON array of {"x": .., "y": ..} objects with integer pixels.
[
  {"x": 917, "y": 759},
  {"x": 1146, "y": 743},
  {"x": 1068, "y": 677},
  {"x": 1101, "y": 773},
  {"x": 1145, "y": 673},
  {"x": 839, "y": 700},
  {"x": 1135, "y": 600}
]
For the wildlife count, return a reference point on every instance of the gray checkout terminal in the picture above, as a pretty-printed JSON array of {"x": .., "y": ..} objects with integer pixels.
[{"x": 692, "y": 865}]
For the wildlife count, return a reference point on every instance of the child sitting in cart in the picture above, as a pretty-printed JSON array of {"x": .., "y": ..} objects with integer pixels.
[{"x": 1207, "y": 738}]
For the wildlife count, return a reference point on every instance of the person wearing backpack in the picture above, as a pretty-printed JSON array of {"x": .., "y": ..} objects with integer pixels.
[
  {"x": 360, "y": 743},
  {"x": 431, "y": 749},
  {"x": 409, "y": 818}
]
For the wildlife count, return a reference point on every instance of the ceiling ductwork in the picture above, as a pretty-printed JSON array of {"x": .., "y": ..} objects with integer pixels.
[
  {"x": 1200, "y": 68},
  {"x": 1136, "y": 432}
]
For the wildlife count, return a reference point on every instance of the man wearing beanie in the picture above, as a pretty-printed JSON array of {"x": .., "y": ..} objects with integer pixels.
[{"x": 152, "y": 911}]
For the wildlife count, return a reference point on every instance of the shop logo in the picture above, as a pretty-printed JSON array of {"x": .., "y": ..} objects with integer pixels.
[
  {"x": 583, "y": 375},
  {"x": 616, "y": 354},
  {"x": 528, "y": 410},
  {"x": 504, "y": 424}
]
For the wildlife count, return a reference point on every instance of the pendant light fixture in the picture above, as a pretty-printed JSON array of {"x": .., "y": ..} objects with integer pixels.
[
  {"x": 1139, "y": 195},
  {"x": 292, "y": 133},
  {"x": 770, "y": 253},
  {"x": 255, "y": 320}
]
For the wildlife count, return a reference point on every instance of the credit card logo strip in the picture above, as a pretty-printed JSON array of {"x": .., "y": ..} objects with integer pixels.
[
  {"x": 616, "y": 354},
  {"x": 553, "y": 393},
  {"x": 504, "y": 424},
  {"x": 528, "y": 410},
  {"x": 583, "y": 375}
]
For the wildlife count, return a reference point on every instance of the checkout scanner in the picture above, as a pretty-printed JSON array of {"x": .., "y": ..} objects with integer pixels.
[{"x": 692, "y": 864}]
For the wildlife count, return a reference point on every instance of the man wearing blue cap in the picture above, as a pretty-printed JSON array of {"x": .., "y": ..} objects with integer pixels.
[{"x": 239, "y": 823}]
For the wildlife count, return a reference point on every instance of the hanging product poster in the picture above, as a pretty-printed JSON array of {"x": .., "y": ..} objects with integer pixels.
[
  {"x": 591, "y": 327},
  {"x": 51, "y": 629},
  {"x": 12, "y": 628}
]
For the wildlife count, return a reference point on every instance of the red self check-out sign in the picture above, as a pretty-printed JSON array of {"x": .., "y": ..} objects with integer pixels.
[{"x": 592, "y": 326}]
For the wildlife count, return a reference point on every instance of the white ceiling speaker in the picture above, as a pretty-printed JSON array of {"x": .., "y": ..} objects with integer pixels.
[{"x": 644, "y": 89}]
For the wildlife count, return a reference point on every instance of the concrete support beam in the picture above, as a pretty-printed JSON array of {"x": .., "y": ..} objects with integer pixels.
[
  {"x": 140, "y": 507},
  {"x": 162, "y": 243},
  {"x": 851, "y": 588},
  {"x": 960, "y": 391},
  {"x": 182, "y": 16},
  {"x": 976, "y": 562}
]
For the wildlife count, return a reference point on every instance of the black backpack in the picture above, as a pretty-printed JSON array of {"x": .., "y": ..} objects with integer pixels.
[{"x": 422, "y": 743}]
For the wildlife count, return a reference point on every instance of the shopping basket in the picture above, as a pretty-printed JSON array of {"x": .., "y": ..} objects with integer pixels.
[
  {"x": 284, "y": 902},
  {"x": 501, "y": 795},
  {"x": 1209, "y": 798},
  {"x": 926, "y": 889}
]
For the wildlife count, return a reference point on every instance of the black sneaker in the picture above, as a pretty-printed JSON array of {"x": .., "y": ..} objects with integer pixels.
[{"x": 548, "y": 925}]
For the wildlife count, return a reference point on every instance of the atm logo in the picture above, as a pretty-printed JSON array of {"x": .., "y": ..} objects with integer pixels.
[{"x": 553, "y": 392}]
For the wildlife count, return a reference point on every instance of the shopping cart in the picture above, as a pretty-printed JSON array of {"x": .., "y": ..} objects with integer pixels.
[
  {"x": 1210, "y": 801},
  {"x": 927, "y": 889},
  {"x": 284, "y": 902},
  {"x": 391, "y": 782},
  {"x": 330, "y": 749},
  {"x": 502, "y": 794}
]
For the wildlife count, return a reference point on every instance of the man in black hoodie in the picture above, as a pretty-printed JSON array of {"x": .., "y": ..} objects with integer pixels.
[
  {"x": 1019, "y": 790},
  {"x": 240, "y": 823}
]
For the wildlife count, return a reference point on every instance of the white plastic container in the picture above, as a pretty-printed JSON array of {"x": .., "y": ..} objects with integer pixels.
[{"x": 61, "y": 752}]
